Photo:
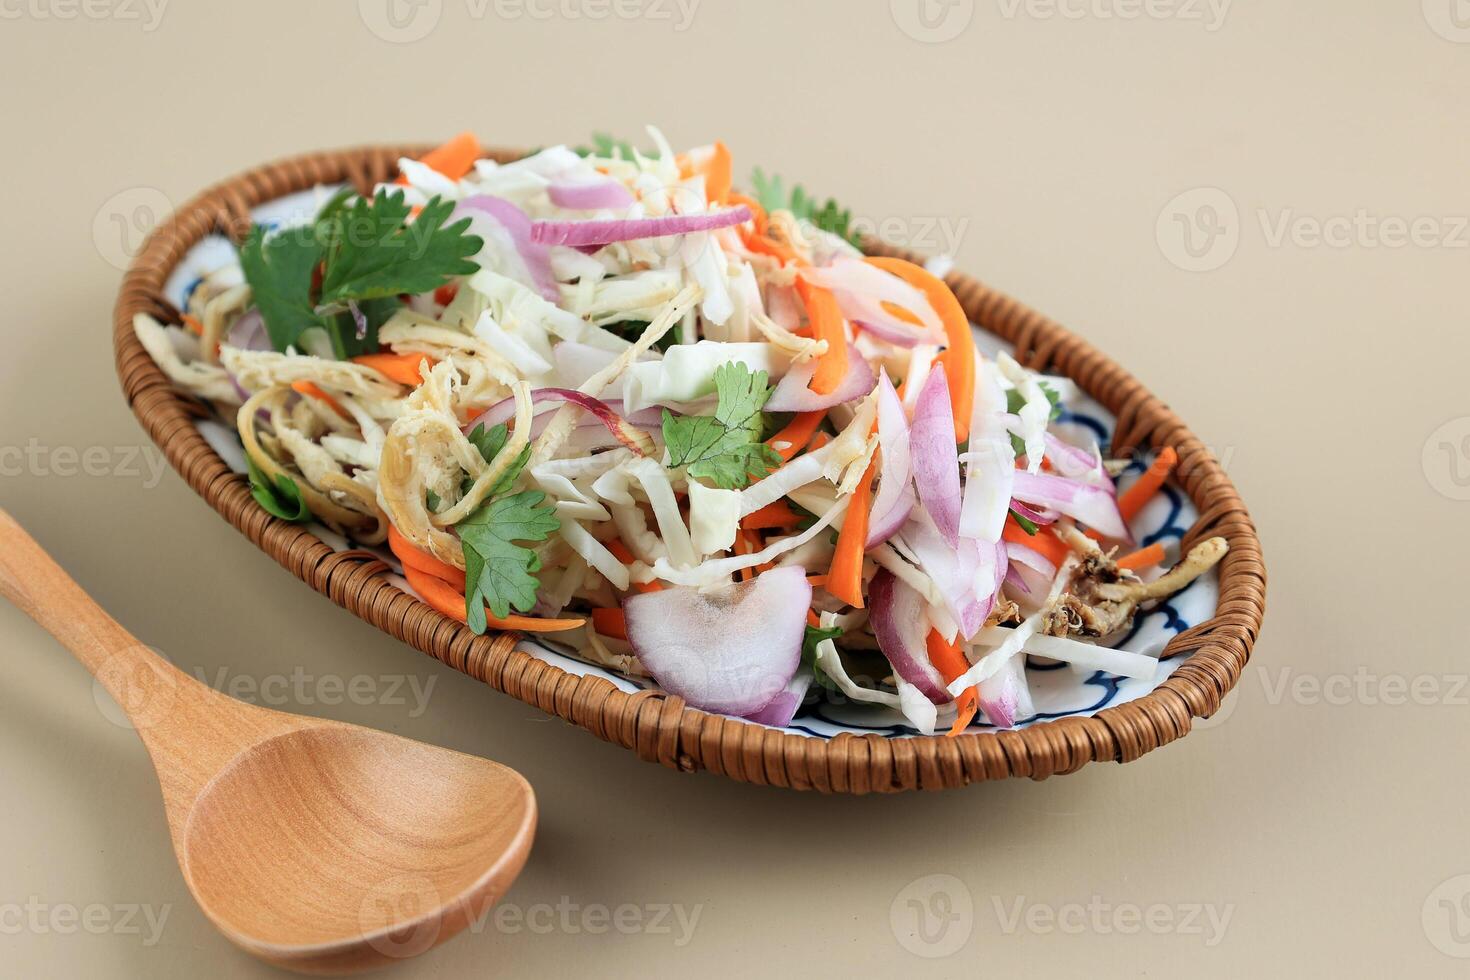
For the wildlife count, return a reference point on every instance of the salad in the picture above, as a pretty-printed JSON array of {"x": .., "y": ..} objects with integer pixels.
[{"x": 693, "y": 432}]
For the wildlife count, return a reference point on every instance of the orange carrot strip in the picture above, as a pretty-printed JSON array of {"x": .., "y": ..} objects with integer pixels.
[
  {"x": 403, "y": 368},
  {"x": 950, "y": 662},
  {"x": 759, "y": 213},
  {"x": 621, "y": 553},
  {"x": 443, "y": 597},
  {"x": 1132, "y": 500},
  {"x": 453, "y": 159},
  {"x": 796, "y": 434},
  {"x": 746, "y": 544},
  {"x": 817, "y": 581},
  {"x": 310, "y": 389},
  {"x": 1143, "y": 557},
  {"x": 812, "y": 620},
  {"x": 958, "y": 357},
  {"x": 195, "y": 327},
  {"x": 413, "y": 557},
  {"x": 818, "y": 441},
  {"x": 845, "y": 578},
  {"x": 610, "y": 622},
  {"x": 718, "y": 175},
  {"x": 778, "y": 514},
  {"x": 826, "y": 321},
  {"x": 1044, "y": 541}
]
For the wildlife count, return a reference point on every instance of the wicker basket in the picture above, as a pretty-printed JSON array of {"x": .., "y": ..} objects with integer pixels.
[{"x": 660, "y": 727}]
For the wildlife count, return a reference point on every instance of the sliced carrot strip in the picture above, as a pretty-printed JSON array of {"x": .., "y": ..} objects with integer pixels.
[
  {"x": 759, "y": 219},
  {"x": 818, "y": 441},
  {"x": 195, "y": 327},
  {"x": 958, "y": 357},
  {"x": 778, "y": 515},
  {"x": 1132, "y": 500},
  {"x": 1143, "y": 557},
  {"x": 812, "y": 620},
  {"x": 951, "y": 663},
  {"x": 610, "y": 622},
  {"x": 845, "y": 579},
  {"x": 443, "y": 597},
  {"x": 718, "y": 175},
  {"x": 621, "y": 553},
  {"x": 827, "y": 324},
  {"x": 403, "y": 368},
  {"x": 422, "y": 561},
  {"x": 453, "y": 159},
  {"x": 310, "y": 389},
  {"x": 798, "y": 432},
  {"x": 817, "y": 581},
  {"x": 1044, "y": 541}
]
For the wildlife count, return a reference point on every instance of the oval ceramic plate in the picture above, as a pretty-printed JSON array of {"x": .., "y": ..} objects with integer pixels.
[{"x": 831, "y": 744}]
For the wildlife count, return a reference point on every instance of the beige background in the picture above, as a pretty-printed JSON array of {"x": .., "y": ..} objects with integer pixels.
[{"x": 1324, "y": 815}]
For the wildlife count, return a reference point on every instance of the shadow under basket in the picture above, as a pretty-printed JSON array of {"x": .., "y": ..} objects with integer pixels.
[{"x": 660, "y": 727}]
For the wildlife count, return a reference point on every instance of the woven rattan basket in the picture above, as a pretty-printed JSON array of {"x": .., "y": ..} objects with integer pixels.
[{"x": 660, "y": 727}]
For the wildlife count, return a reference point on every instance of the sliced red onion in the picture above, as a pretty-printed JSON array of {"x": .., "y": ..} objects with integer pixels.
[
  {"x": 534, "y": 254},
  {"x": 248, "y": 332},
  {"x": 861, "y": 290},
  {"x": 956, "y": 572},
  {"x": 589, "y": 194},
  {"x": 607, "y": 231},
  {"x": 894, "y": 501},
  {"x": 1090, "y": 504},
  {"x": 935, "y": 460},
  {"x": 793, "y": 395},
  {"x": 1040, "y": 517},
  {"x": 885, "y": 332},
  {"x": 990, "y": 460},
  {"x": 622, "y": 430},
  {"x": 732, "y": 650},
  {"x": 1031, "y": 558},
  {"x": 1004, "y": 696},
  {"x": 896, "y": 612},
  {"x": 783, "y": 706},
  {"x": 1014, "y": 579}
]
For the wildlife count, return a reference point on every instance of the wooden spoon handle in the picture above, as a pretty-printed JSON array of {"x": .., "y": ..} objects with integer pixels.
[{"x": 29, "y": 578}]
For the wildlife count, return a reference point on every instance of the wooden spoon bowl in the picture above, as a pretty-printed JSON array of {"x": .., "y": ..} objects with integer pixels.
[{"x": 318, "y": 846}]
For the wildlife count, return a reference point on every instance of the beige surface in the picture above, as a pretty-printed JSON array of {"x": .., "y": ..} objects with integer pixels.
[{"x": 1324, "y": 816}]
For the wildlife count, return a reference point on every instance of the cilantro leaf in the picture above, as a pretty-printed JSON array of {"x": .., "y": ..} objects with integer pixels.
[
  {"x": 367, "y": 253},
  {"x": 279, "y": 271},
  {"x": 603, "y": 145},
  {"x": 631, "y": 330},
  {"x": 489, "y": 442},
  {"x": 1026, "y": 524},
  {"x": 725, "y": 448},
  {"x": 282, "y": 499},
  {"x": 375, "y": 253},
  {"x": 829, "y": 216},
  {"x": 498, "y": 571},
  {"x": 1015, "y": 401}
]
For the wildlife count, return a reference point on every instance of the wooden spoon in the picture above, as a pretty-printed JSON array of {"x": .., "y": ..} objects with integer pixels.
[{"x": 318, "y": 846}]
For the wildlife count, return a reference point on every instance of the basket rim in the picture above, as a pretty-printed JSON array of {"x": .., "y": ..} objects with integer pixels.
[{"x": 660, "y": 727}]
